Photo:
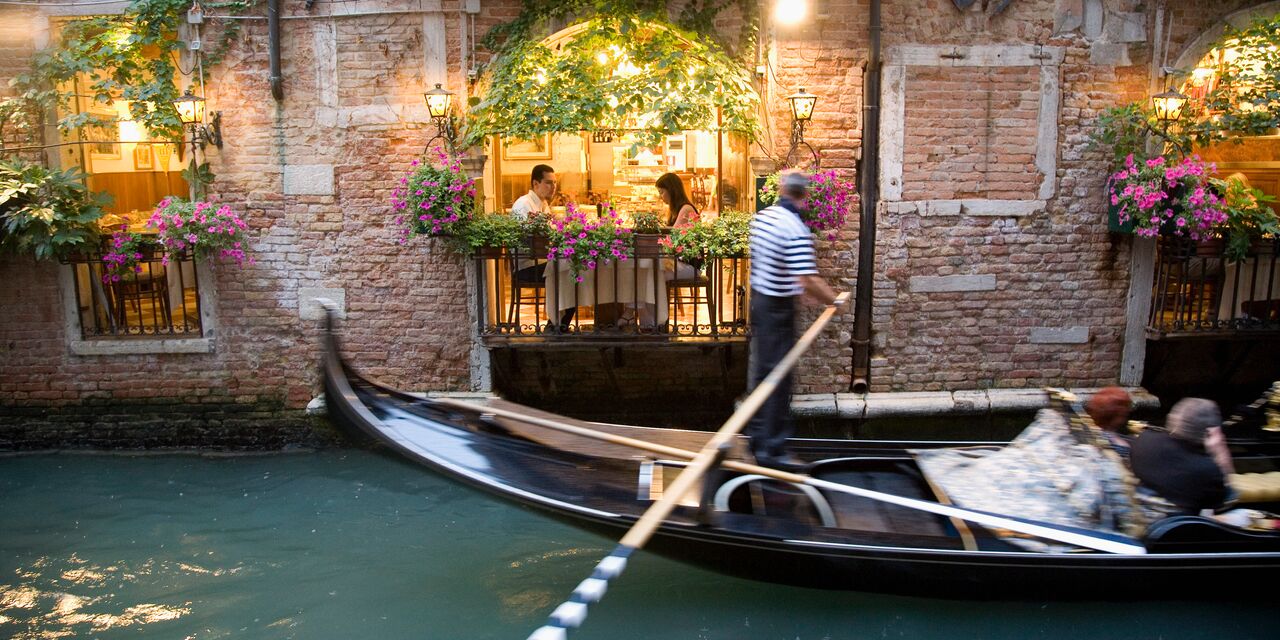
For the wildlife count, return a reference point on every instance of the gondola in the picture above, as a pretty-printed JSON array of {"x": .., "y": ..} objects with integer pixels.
[{"x": 756, "y": 528}]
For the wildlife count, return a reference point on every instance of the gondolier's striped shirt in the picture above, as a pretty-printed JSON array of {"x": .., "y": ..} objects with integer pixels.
[{"x": 781, "y": 251}]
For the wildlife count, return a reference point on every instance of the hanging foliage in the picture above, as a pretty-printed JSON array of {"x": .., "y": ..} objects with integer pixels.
[
  {"x": 1244, "y": 98},
  {"x": 132, "y": 56},
  {"x": 617, "y": 73}
]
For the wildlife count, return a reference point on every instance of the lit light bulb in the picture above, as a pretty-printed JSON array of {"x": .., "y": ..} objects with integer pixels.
[{"x": 789, "y": 12}]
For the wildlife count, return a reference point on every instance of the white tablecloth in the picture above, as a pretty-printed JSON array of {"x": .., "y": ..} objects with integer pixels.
[
  {"x": 1247, "y": 289},
  {"x": 626, "y": 282}
]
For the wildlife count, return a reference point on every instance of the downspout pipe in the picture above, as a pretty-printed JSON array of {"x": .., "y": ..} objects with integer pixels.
[
  {"x": 273, "y": 28},
  {"x": 869, "y": 191}
]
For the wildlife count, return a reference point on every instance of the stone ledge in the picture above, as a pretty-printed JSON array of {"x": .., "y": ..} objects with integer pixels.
[{"x": 132, "y": 347}]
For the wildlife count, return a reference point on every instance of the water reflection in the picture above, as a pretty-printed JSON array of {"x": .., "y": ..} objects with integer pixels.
[{"x": 61, "y": 598}]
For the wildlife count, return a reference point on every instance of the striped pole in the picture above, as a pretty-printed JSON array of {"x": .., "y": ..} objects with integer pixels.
[{"x": 572, "y": 613}]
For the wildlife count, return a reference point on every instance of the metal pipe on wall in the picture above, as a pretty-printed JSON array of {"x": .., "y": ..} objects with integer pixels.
[
  {"x": 273, "y": 29},
  {"x": 868, "y": 179}
]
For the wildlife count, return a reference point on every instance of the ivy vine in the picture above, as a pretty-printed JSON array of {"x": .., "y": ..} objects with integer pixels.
[
  {"x": 629, "y": 68},
  {"x": 131, "y": 56}
]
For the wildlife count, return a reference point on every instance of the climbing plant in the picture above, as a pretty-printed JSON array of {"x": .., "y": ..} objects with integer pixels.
[
  {"x": 629, "y": 67},
  {"x": 131, "y": 56}
]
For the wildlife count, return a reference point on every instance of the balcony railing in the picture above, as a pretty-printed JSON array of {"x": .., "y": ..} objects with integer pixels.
[
  {"x": 650, "y": 297},
  {"x": 158, "y": 301},
  {"x": 1198, "y": 292}
]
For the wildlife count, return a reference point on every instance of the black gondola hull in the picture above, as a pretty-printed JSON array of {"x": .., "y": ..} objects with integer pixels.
[{"x": 600, "y": 497}]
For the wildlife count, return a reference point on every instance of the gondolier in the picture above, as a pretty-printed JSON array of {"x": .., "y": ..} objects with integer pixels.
[{"x": 784, "y": 267}]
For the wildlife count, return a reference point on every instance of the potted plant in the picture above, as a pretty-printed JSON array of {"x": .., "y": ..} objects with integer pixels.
[
  {"x": 647, "y": 227},
  {"x": 46, "y": 213},
  {"x": 1161, "y": 195},
  {"x": 124, "y": 256},
  {"x": 1249, "y": 217},
  {"x": 437, "y": 198},
  {"x": 588, "y": 243},
  {"x": 203, "y": 228},
  {"x": 831, "y": 198}
]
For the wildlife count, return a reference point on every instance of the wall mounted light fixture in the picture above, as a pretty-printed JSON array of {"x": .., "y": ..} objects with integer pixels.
[
  {"x": 440, "y": 107},
  {"x": 802, "y": 103},
  {"x": 1168, "y": 106},
  {"x": 190, "y": 108}
]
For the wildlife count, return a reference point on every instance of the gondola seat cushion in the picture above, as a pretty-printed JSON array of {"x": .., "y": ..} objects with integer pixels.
[
  {"x": 1256, "y": 487},
  {"x": 1044, "y": 474}
]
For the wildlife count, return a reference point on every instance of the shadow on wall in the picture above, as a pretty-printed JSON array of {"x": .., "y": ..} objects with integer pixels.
[
  {"x": 1229, "y": 372},
  {"x": 690, "y": 387}
]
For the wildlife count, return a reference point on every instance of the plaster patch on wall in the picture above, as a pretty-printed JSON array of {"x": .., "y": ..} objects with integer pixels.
[
  {"x": 1063, "y": 335},
  {"x": 949, "y": 284},
  {"x": 308, "y": 180},
  {"x": 309, "y": 308}
]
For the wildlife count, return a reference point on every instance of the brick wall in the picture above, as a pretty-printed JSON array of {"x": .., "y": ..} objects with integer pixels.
[{"x": 407, "y": 312}]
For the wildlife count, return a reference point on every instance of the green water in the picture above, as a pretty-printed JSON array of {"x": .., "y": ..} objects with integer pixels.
[{"x": 347, "y": 544}]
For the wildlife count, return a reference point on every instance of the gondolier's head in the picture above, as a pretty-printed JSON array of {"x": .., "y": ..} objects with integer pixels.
[
  {"x": 543, "y": 181},
  {"x": 1191, "y": 418},
  {"x": 793, "y": 183}
]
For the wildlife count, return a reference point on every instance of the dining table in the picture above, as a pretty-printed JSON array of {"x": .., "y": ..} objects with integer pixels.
[{"x": 627, "y": 282}]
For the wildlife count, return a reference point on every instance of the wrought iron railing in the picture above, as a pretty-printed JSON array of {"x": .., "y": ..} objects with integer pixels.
[
  {"x": 651, "y": 296},
  {"x": 1197, "y": 291},
  {"x": 160, "y": 299}
]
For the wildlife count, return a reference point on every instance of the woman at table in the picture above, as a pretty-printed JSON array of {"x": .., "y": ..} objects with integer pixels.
[{"x": 680, "y": 212}]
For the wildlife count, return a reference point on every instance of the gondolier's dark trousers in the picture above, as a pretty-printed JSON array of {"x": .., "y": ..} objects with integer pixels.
[{"x": 773, "y": 333}]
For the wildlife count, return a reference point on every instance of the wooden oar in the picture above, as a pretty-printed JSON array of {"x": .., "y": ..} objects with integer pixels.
[
  {"x": 1111, "y": 543},
  {"x": 571, "y": 613}
]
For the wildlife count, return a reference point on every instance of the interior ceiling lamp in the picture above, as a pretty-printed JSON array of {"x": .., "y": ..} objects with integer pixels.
[
  {"x": 190, "y": 108},
  {"x": 1168, "y": 105},
  {"x": 790, "y": 12},
  {"x": 802, "y": 103},
  {"x": 440, "y": 106}
]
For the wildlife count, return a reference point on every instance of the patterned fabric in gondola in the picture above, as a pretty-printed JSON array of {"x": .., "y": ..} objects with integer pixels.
[{"x": 1046, "y": 474}]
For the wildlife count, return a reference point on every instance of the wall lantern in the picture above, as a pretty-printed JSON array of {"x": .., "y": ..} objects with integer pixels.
[
  {"x": 438, "y": 102},
  {"x": 440, "y": 107},
  {"x": 802, "y": 103},
  {"x": 190, "y": 108},
  {"x": 1168, "y": 106}
]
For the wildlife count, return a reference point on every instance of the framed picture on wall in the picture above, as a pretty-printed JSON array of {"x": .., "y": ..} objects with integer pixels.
[
  {"x": 537, "y": 149},
  {"x": 142, "y": 157},
  {"x": 102, "y": 138}
]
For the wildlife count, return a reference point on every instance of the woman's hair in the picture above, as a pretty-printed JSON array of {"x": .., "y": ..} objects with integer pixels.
[
  {"x": 1109, "y": 408},
  {"x": 671, "y": 182}
]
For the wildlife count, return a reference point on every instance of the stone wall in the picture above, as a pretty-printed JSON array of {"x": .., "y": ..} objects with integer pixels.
[{"x": 968, "y": 296}]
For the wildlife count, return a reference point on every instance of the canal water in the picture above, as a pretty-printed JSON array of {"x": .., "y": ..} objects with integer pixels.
[{"x": 343, "y": 545}]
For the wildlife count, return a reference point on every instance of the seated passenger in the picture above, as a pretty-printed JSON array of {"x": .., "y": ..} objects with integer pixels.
[
  {"x": 1109, "y": 409},
  {"x": 1187, "y": 463}
]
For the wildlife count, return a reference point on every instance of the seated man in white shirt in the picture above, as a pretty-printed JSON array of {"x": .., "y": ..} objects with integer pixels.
[{"x": 542, "y": 185}]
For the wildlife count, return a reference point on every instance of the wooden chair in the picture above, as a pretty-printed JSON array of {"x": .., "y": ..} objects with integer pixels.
[
  {"x": 692, "y": 291},
  {"x": 152, "y": 287},
  {"x": 528, "y": 286}
]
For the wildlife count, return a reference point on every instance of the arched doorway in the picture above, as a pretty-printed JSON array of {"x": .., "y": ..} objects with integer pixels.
[{"x": 608, "y": 142}]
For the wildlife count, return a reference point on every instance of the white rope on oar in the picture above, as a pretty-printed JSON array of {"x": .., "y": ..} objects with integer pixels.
[{"x": 573, "y": 612}]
